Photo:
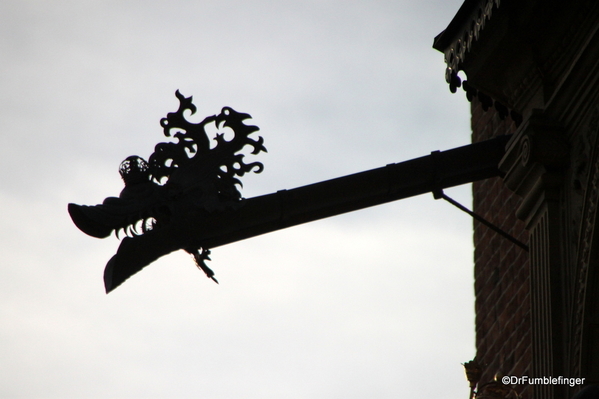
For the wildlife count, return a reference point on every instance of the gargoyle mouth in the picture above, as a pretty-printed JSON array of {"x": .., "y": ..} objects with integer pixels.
[
  {"x": 101, "y": 220},
  {"x": 136, "y": 229}
]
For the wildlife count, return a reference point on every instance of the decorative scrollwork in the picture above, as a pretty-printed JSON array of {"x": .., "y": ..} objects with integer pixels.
[{"x": 192, "y": 152}]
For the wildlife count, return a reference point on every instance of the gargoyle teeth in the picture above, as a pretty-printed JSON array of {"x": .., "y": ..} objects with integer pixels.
[
  {"x": 132, "y": 232},
  {"x": 147, "y": 224},
  {"x": 136, "y": 229},
  {"x": 121, "y": 231}
]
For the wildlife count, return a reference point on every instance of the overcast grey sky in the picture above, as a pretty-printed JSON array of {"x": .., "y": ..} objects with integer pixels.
[{"x": 373, "y": 304}]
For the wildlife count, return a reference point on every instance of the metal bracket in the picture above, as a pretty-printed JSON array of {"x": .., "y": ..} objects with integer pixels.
[{"x": 439, "y": 194}]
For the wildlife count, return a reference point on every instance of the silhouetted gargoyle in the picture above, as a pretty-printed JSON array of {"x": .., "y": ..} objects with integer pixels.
[{"x": 181, "y": 182}]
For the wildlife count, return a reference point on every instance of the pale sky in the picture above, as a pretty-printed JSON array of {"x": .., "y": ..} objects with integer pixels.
[{"x": 377, "y": 303}]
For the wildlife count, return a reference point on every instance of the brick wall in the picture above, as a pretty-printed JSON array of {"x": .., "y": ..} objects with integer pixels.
[{"x": 501, "y": 269}]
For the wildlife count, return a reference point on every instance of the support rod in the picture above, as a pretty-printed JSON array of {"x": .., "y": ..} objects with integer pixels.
[{"x": 438, "y": 194}]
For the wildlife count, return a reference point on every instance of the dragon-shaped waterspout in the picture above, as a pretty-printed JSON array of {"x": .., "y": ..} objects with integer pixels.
[{"x": 186, "y": 196}]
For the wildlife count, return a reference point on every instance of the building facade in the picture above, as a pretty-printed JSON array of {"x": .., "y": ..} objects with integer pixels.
[{"x": 531, "y": 70}]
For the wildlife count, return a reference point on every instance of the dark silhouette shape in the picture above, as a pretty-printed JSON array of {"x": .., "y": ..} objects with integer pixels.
[
  {"x": 186, "y": 196},
  {"x": 181, "y": 178}
]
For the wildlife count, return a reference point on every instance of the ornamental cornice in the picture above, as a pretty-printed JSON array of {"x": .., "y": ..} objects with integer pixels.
[{"x": 457, "y": 40}]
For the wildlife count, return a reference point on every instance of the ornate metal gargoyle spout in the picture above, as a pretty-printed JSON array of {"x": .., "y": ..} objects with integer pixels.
[
  {"x": 186, "y": 196},
  {"x": 182, "y": 183}
]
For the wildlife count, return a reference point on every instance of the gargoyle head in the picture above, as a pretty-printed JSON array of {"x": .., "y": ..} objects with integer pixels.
[{"x": 181, "y": 184}]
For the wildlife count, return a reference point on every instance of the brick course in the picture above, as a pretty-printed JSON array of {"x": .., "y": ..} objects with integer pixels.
[{"x": 501, "y": 269}]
